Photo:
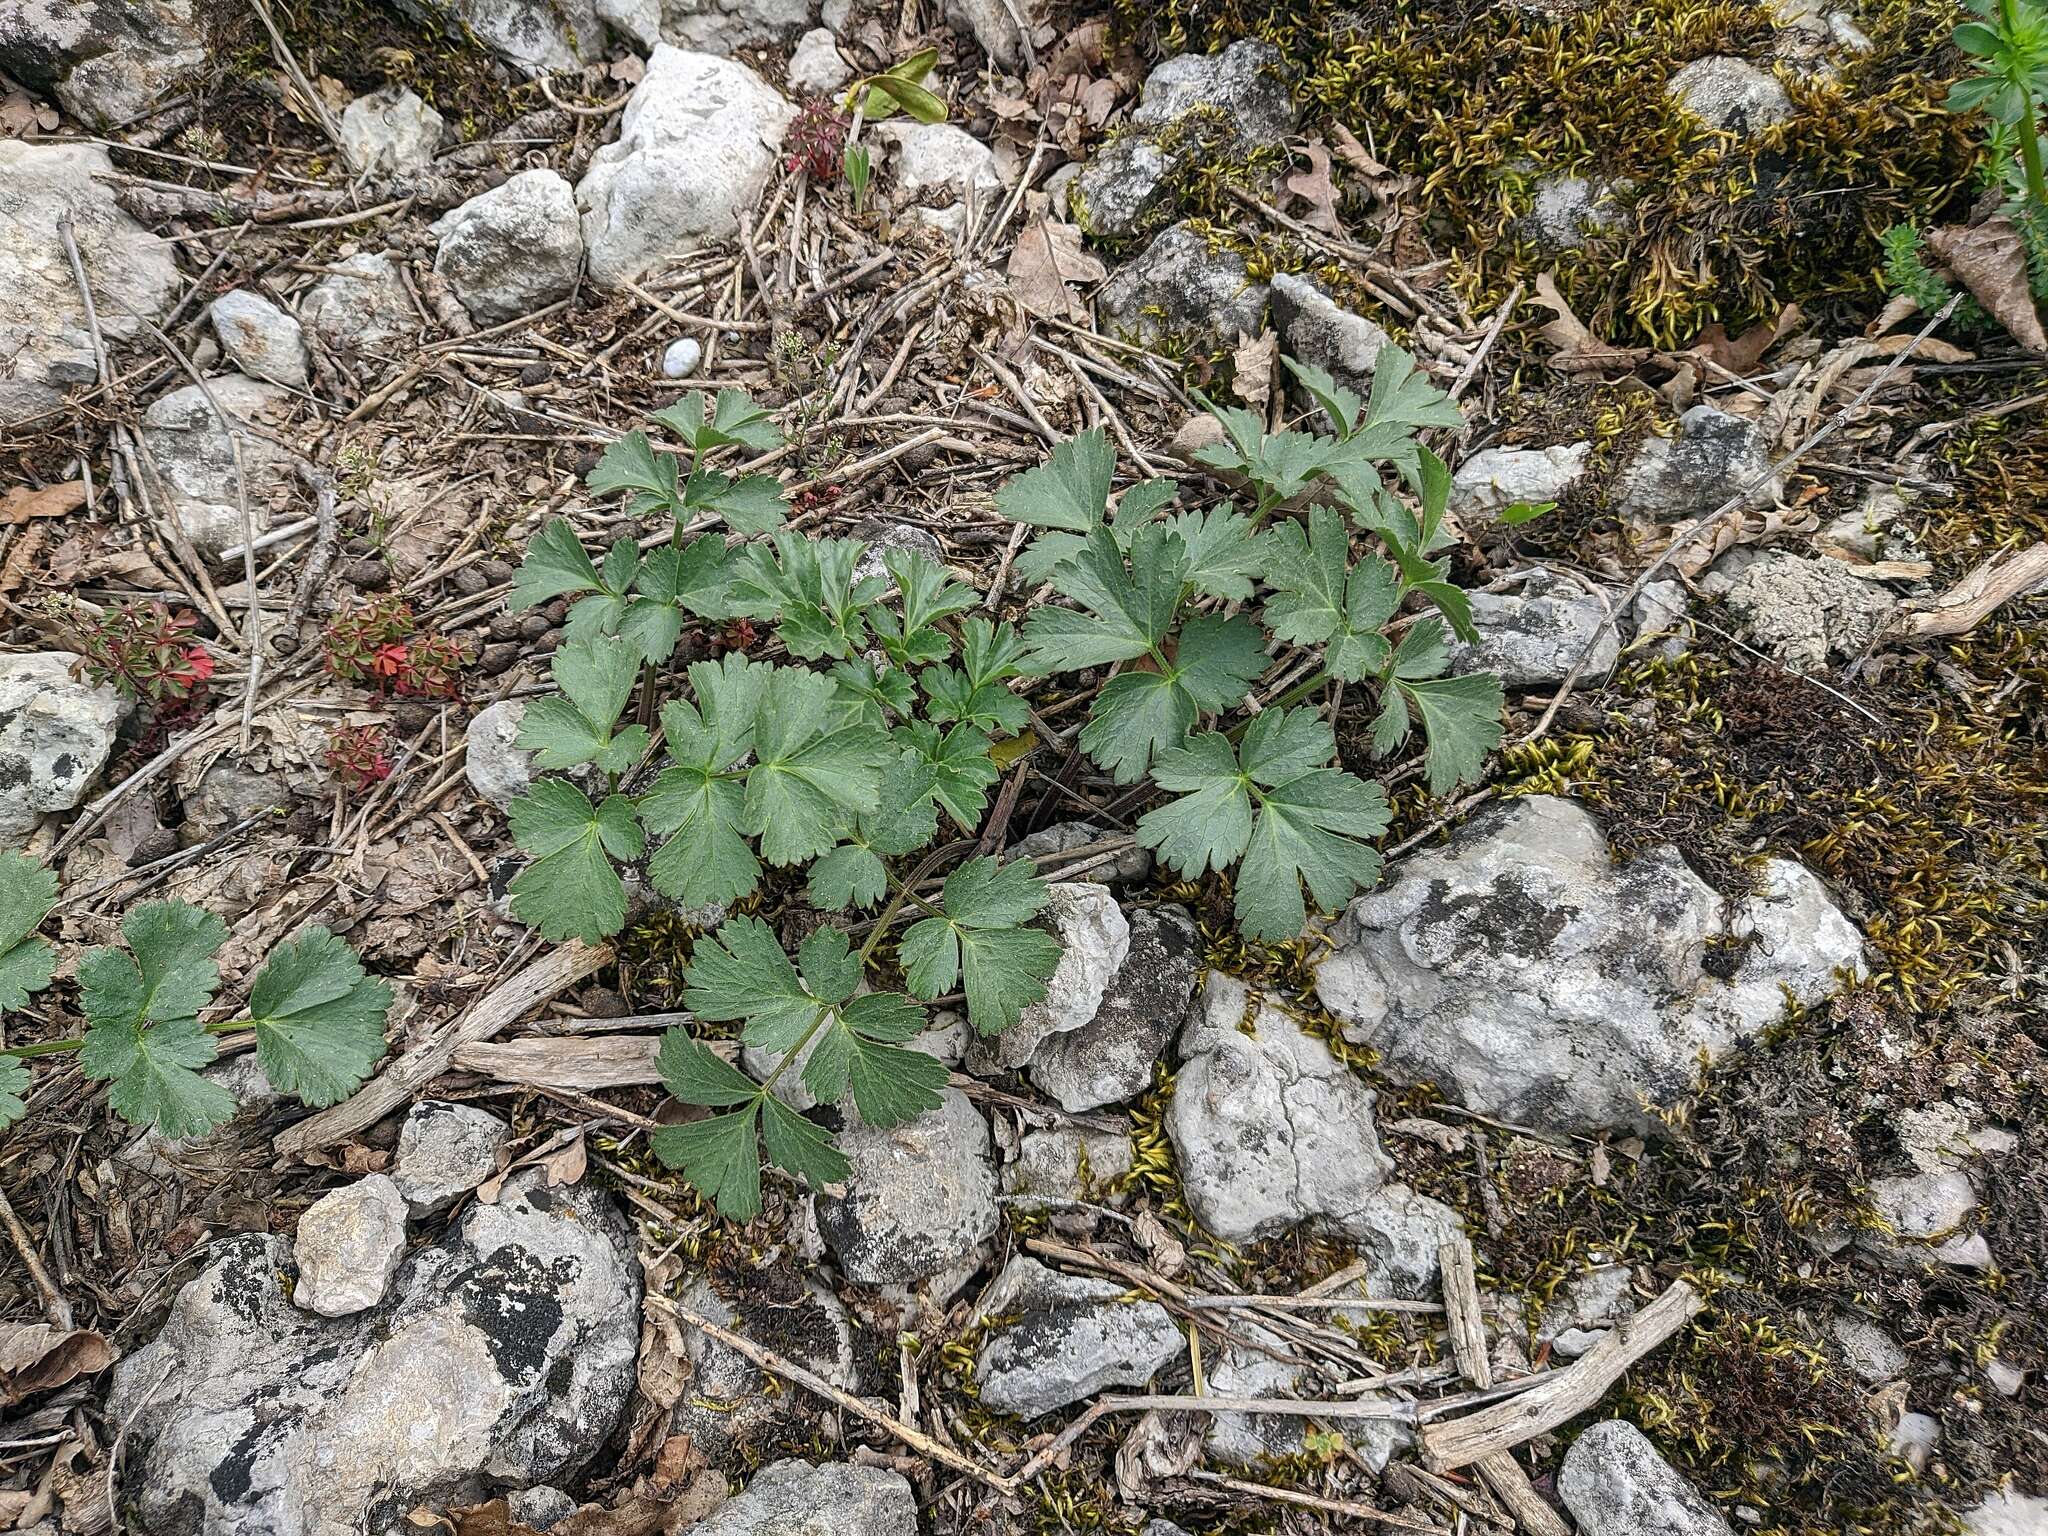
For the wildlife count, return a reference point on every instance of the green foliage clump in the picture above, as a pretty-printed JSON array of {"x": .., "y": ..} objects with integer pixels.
[
  {"x": 318, "y": 1018},
  {"x": 843, "y": 762}
]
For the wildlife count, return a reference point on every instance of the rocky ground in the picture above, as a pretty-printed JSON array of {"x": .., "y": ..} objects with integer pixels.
[{"x": 1657, "y": 1150}]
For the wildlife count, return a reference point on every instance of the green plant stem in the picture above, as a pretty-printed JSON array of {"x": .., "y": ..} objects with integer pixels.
[
  {"x": 42, "y": 1048},
  {"x": 905, "y": 892},
  {"x": 2029, "y": 135}
]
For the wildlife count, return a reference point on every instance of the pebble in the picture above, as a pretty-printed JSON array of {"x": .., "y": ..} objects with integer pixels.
[{"x": 681, "y": 358}]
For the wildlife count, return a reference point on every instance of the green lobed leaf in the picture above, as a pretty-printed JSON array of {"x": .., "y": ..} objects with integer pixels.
[
  {"x": 168, "y": 972},
  {"x": 319, "y": 1019},
  {"x": 27, "y": 893},
  {"x": 597, "y": 677},
  {"x": 806, "y": 587},
  {"x": 570, "y": 889},
  {"x": 720, "y": 1156},
  {"x": 1128, "y": 611},
  {"x": 1070, "y": 490},
  {"x": 962, "y": 771},
  {"x": 14, "y": 1087},
  {"x": 813, "y": 771},
  {"x": 631, "y": 464},
  {"x": 975, "y": 691},
  {"x": 695, "y": 1074},
  {"x": 1002, "y": 967},
  {"x": 555, "y": 563},
  {"x": 1140, "y": 713},
  {"x": 1461, "y": 724},
  {"x": 152, "y": 1075},
  {"x": 739, "y": 974},
  {"x": 1274, "y": 806}
]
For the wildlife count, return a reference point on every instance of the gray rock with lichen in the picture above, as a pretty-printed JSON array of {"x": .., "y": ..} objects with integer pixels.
[
  {"x": 389, "y": 132},
  {"x": 194, "y": 448},
  {"x": 1713, "y": 458},
  {"x": 920, "y": 1199},
  {"x": 1803, "y": 611},
  {"x": 1269, "y": 1128},
  {"x": 259, "y": 338},
  {"x": 56, "y": 734},
  {"x": 1182, "y": 292},
  {"x": 1110, "y": 1057},
  {"x": 834, "y": 1499},
  {"x": 444, "y": 1151},
  {"x": 513, "y": 249},
  {"x": 106, "y": 61},
  {"x": 503, "y": 1357},
  {"x": 1730, "y": 94},
  {"x": 1534, "y": 635},
  {"x": 1193, "y": 106},
  {"x": 730, "y": 1408},
  {"x": 1314, "y": 328},
  {"x": 1615, "y": 1484},
  {"x": 1530, "y": 976},
  {"x": 361, "y": 308},
  {"x": 1068, "y": 1163},
  {"x": 1065, "y": 1338},
  {"x": 46, "y": 343}
]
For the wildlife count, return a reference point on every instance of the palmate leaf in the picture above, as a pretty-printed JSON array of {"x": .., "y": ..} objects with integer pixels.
[
  {"x": 596, "y": 676},
  {"x": 1460, "y": 724},
  {"x": 698, "y": 802},
  {"x": 555, "y": 564},
  {"x": 978, "y": 943},
  {"x": 27, "y": 893},
  {"x": 319, "y": 1019},
  {"x": 1128, "y": 610},
  {"x": 14, "y": 1086},
  {"x": 748, "y": 504},
  {"x": 1320, "y": 598},
  {"x": 962, "y": 770},
  {"x": 873, "y": 693},
  {"x": 153, "y": 1078},
  {"x": 974, "y": 691},
  {"x": 860, "y": 1049},
  {"x": 143, "y": 1037},
  {"x": 632, "y": 465},
  {"x": 721, "y": 1155},
  {"x": 806, "y": 587},
  {"x": 926, "y": 595},
  {"x": 813, "y": 770},
  {"x": 168, "y": 972},
  {"x": 739, "y": 974},
  {"x": 1143, "y": 712},
  {"x": 731, "y": 420},
  {"x": 571, "y": 890},
  {"x": 1070, "y": 490},
  {"x": 1274, "y": 804}
]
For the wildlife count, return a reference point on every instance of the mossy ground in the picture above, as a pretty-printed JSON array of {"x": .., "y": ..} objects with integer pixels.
[{"x": 1481, "y": 101}]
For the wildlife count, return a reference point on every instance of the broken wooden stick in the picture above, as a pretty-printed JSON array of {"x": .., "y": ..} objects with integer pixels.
[
  {"x": 1988, "y": 587},
  {"x": 1503, "y": 1474},
  {"x": 565, "y": 1061},
  {"x": 505, "y": 1004},
  {"x": 1564, "y": 1394}
]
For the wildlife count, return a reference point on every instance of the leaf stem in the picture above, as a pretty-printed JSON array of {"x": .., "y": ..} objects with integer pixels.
[
  {"x": 42, "y": 1048},
  {"x": 905, "y": 891},
  {"x": 2030, "y": 138}
]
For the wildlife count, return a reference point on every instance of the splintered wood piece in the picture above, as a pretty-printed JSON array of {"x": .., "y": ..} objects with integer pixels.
[
  {"x": 1503, "y": 1474},
  {"x": 1565, "y": 1393}
]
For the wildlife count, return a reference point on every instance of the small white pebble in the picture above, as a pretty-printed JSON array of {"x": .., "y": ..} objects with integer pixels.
[{"x": 681, "y": 358}]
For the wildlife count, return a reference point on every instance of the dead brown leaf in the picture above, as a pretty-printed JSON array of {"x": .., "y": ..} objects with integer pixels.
[
  {"x": 1048, "y": 256},
  {"x": 1314, "y": 187},
  {"x": 1990, "y": 259},
  {"x": 1355, "y": 154},
  {"x": 35, "y": 1357},
  {"x": 1739, "y": 354},
  {"x": 1577, "y": 349},
  {"x": 1252, "y": 367},
  {"x": 18, "y": 503}
]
